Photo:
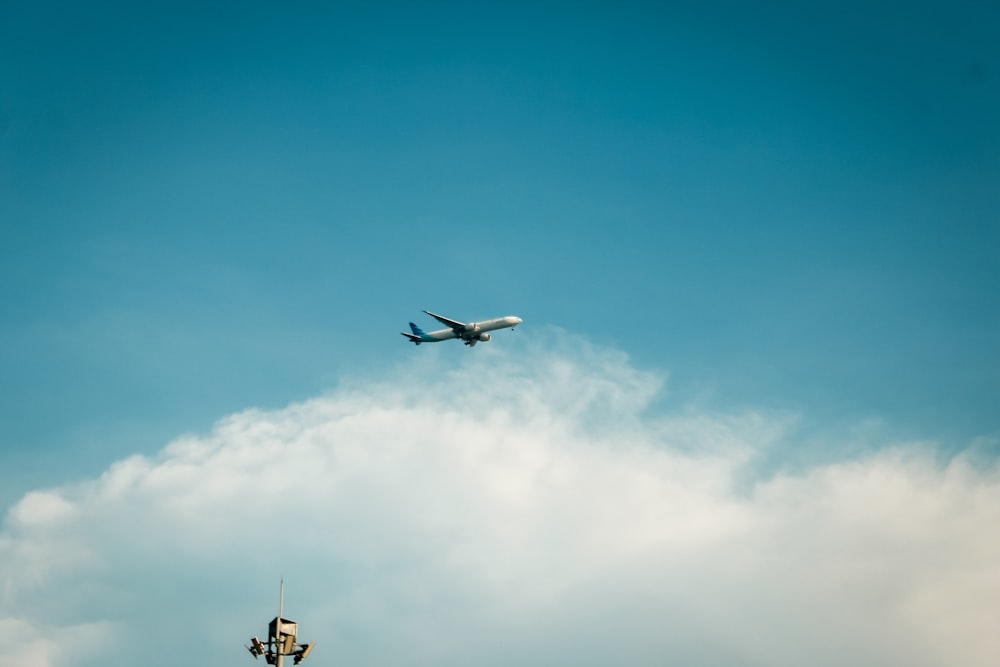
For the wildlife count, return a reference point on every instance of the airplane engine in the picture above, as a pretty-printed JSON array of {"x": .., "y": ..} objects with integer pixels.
[
  {"x": 484, "y": 337},
  {"x": 473, "y": 327}
]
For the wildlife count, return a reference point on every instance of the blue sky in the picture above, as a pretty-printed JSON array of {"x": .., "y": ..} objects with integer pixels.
[{"x": 776, "y": 210}]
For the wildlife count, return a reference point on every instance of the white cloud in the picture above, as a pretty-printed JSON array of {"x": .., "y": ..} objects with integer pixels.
[
  {"x": 26, "y": 645},
  {"x": 543, "y": 517}
]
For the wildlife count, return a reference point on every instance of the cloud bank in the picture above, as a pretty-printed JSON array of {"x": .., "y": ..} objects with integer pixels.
[{"x": 523, "y": 505}]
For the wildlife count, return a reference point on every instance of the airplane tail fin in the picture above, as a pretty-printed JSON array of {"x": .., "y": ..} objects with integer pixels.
[{"x": 415, "y": 337}]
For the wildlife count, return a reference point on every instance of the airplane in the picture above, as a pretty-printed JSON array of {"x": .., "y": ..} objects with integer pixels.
[{"x": 470, "y": 333}]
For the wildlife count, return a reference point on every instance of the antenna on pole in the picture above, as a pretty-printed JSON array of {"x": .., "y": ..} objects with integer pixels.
[{"x": 282, "y": 638}]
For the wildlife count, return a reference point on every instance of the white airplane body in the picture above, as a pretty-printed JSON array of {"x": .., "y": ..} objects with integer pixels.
[{"x": 470, "y": 333}]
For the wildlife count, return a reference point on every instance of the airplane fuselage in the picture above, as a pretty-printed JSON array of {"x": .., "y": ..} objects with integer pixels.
[{"x": 508, "y": 322}]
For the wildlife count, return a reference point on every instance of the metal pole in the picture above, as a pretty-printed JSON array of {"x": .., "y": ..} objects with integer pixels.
[{"x": 279, "y": 645}]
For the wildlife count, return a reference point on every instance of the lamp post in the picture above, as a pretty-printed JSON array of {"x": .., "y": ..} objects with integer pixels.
[{"x": 282, "y": 639}]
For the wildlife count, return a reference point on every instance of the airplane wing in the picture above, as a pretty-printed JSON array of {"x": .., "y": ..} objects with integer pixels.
[{"x": 453, "y": 324}]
